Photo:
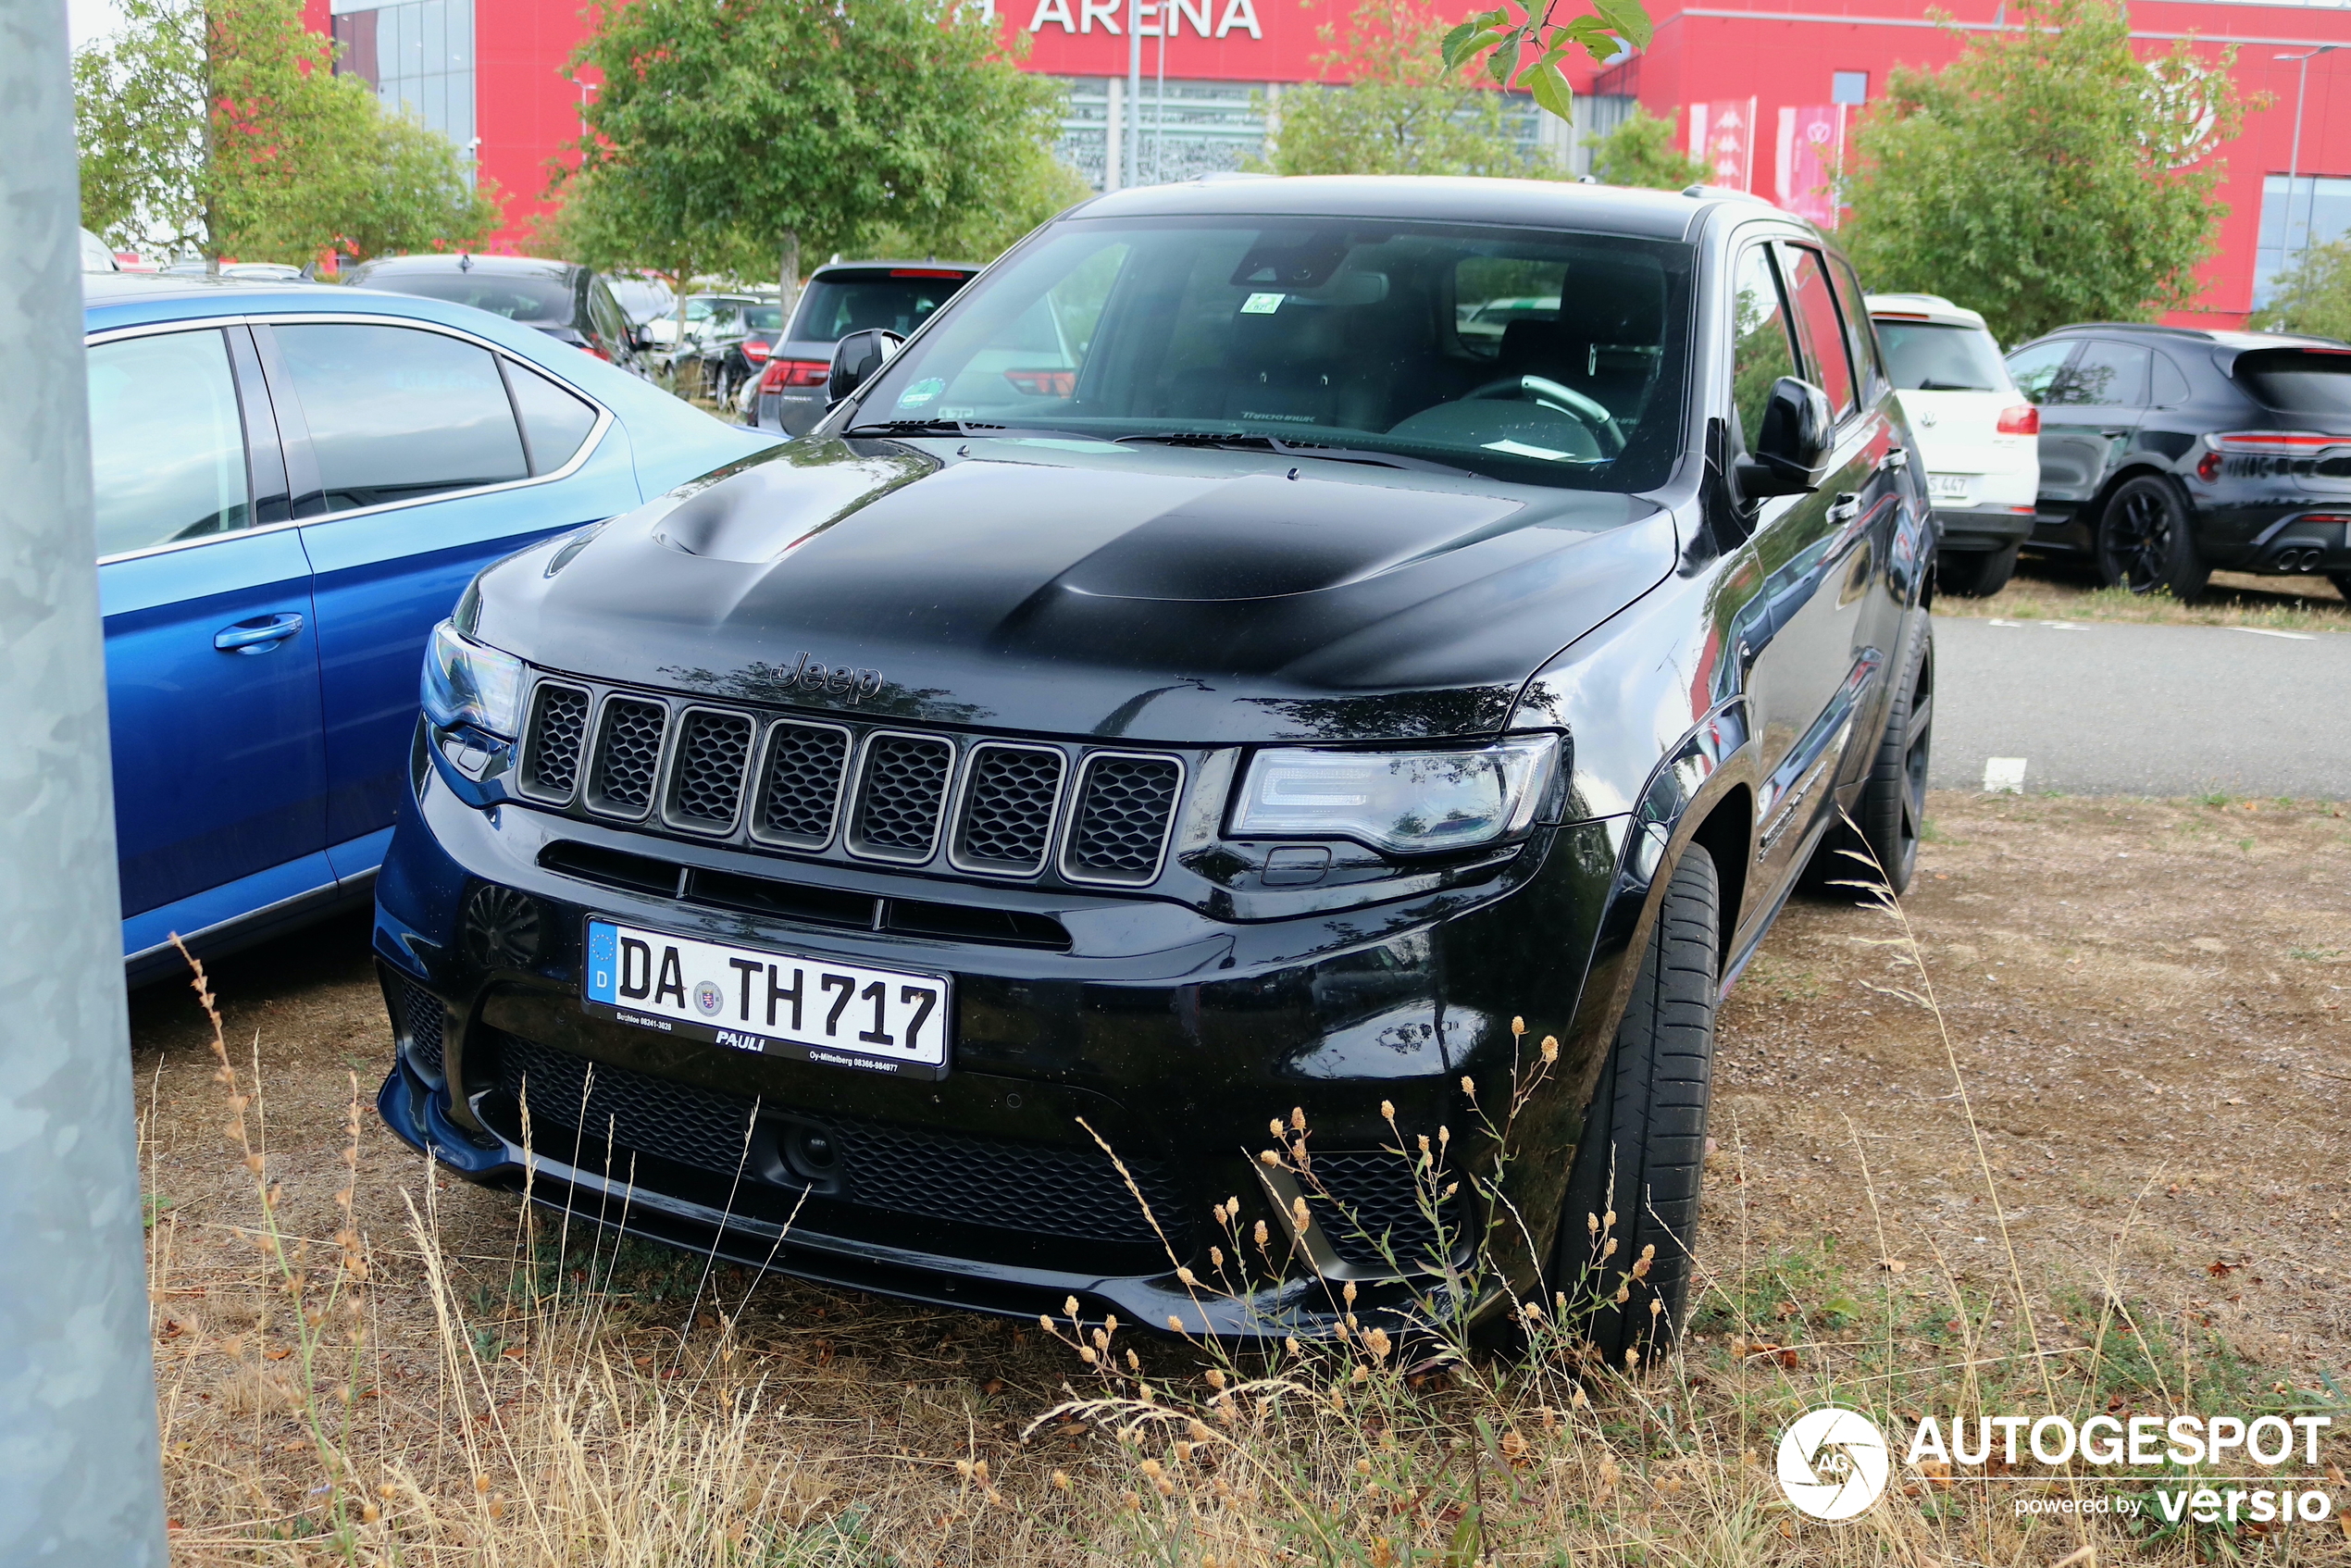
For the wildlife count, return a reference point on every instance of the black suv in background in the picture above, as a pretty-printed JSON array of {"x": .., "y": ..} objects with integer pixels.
[
  {"x": 2167, "y": 452},
  {"x": 571, "y": 304},
  {"x": 841, "y": 298},
  {"x": 1259, "y": 707}
]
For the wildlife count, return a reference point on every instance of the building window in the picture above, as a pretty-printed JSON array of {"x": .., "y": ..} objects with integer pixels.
[
  {"x": 2315, "y": 211},
  {"x": 418, "y": 55},
  {"x": 1849, "y": 87}
]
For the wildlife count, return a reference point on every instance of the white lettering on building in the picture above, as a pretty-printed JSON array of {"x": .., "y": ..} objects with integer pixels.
[
  {"x": 1238, "y": 13},
  {"x": 1051, "y": 11}
]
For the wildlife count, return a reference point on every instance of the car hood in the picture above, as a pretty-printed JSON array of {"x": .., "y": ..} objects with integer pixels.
[{"x": 1076, "y": 588}]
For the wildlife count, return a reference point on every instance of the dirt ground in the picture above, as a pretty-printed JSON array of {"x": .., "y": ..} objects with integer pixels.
[
  {"x": 2145, "y": 1001},
  {"x": 2049, "y": 590}
]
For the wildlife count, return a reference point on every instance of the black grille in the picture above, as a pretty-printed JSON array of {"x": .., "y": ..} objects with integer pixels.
[
  {"x": 1123, "y": 809},
  {"x": 559, "y": 726},
  {"x": 801, "y": 784},
  {"x": 706, "y": 776},
  {"x": 627, "y": 753},
  {"x": 426, "y": 1022},
  {"x": 1363, "y": 1198},
  {"x": 1008, "y": 808},
  {"x": 1071, "y": 1193},
  {"x": 899, "y": 796}
]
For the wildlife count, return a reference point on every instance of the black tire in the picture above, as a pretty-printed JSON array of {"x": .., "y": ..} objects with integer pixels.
[
  {"x": 1891, "y": 811},
  {"x": 1643, "y": 1153},
  {"x": 2146, "y": 541},
  {"x": 2341, "y": 581},
  {"x": 1977, "y": 574}
]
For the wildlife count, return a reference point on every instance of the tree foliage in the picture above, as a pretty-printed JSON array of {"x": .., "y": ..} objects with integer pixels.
[
  {"x": 1404, "y": 109},
  {"x": 217, "y": 127},
  {"x": 727, "y": 136},
  {"x": 1641, "y": 152},
  {"x": 2049, "y": 175},
  {"x": 1523, "y": 48},
  {"x": 2313, "y": 294}
]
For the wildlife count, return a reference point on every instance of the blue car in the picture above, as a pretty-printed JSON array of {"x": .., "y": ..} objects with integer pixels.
[{"x": 293, "y": 485}]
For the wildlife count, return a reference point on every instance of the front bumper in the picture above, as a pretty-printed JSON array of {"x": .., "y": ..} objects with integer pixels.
[{"x": 1172, "y": 1036}]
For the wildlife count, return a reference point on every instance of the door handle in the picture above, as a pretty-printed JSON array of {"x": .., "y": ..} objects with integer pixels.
[
  {"x": 1895, "y": 458},
  {"x": 257, "y": 636},
  {"x": 1845, "y": 509}
]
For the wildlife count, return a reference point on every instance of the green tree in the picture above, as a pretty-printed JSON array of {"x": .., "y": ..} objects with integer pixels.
[
  {"x": 728, "y": 136},
  {"x": 217, "y": 127},
  {"x": 1640, "y": 152},
  {"x": 1403, "y": 110},
  {"x": 2313, "y": 294},
  {"x": 2049, "y": 175}
]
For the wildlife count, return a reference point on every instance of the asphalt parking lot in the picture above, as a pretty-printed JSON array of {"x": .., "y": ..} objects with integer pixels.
[{"x": 2167, "y": 711}]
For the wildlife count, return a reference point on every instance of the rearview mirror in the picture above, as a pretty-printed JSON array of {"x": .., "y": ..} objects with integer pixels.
[
  {"x": 857, "y": 359},
  {"x": 1790, "y": 453}
]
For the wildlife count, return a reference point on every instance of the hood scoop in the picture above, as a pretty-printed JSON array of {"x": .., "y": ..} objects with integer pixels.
[
  {"x": 1264, "y": 537},
  {"x": 771, "y": 509}
]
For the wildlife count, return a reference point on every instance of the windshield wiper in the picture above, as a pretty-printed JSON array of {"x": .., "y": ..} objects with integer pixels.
[
  {"x": 920, "y": 428},
  {"x": 1243, "y": 441}
]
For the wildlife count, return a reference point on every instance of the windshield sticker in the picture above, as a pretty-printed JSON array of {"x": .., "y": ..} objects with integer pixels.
[
  {"x": 922, "y": 391},
  {"x": 1261, "y": 304},
  {"x": 1521, "y": 449}
]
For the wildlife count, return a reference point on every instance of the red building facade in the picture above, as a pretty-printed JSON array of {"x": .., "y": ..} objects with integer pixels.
[{"x": 1766, "y": 92}]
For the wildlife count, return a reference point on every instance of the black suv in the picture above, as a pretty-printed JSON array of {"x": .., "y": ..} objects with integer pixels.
[
  {"x": 856, "y": 296},
  {"x": 2167, "y": 452},
  {"x": 841, "y": 854}
]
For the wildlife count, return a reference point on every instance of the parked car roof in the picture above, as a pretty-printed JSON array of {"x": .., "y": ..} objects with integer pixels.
[
  {"x": 2240, "y": 341},
  {"x": 465, "y": 261},
  {"x": 1536, "y": 203},
  {"x": 1932, "y": 308}
]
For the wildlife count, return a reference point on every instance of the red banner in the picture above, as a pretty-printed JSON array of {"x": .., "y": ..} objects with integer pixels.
[
  {"x": 1722, "y": 137},
  {"x": 1811, "y": 161}
]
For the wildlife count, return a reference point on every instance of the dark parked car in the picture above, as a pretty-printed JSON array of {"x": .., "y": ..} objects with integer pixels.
[
  {"x": 892, "y": 296},
  {"x": 729, "y": 345},
  {"x": 1257, "y": 710},
  {"x": 569, "y": 304},
  {"x": 2167, "y": 452}
]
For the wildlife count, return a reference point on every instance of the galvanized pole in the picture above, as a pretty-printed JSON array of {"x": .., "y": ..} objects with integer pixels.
[
  {"x": 80, "y": 1480},
  {"x": 1133, "y": 92}
]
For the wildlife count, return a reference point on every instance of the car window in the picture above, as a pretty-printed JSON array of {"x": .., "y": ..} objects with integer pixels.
[
  {"x": 2105, "y": 375},
  {"x": 611, "y": 325},
  {"x": 1762, "y": 351},
  {"x": 1489, "y": 292},
  {"x": 2298, "y": 381},
  {"x": 1818, "y": 324},
  {"x": 555, "y": 421},
  {"x": 1932, "y": 356},
  {"x": 1325, "y": 330},
  {"x": 764, "y": 318},
  {"x": 535, "y": 300},
  {"x": 395, "y": 413},
  {"x": 2035, "y": 369},
  {"x": 166, "y": 441},
  {"x": 1858, "y": 334},
  {"x": 2171, "y": 387},
  {"x": 897, "y": 301}
]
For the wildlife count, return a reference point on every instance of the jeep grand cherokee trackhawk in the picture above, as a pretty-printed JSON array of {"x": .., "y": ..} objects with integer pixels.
[{"x": 1191, "y": 678}]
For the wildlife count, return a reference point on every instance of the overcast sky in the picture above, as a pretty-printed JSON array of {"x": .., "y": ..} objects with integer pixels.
[{"x": 87, "y": 20}]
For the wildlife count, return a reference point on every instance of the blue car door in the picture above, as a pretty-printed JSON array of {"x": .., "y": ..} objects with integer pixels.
[
  {"x": 212, "y": 670},
  {"x": 422, "y": 455}
]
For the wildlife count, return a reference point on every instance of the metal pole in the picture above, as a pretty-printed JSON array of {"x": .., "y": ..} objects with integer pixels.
[
  {"x": 2294, "y": 162},
  {"x": 1134, "y": 91},
  {"x": 80, "y": 1476}
]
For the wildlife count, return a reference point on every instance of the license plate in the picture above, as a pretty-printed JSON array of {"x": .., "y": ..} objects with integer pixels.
[
  {"x": 766, "y": 1001},
  {"x": 1951, "y": 487}
]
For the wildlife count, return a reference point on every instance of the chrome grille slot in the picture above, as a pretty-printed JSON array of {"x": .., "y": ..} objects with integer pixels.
[
  {"x": 706, "y": 770},
  {"x": 1005, "y": 823},
  {"x": 553, "y": 738},
  {"x": 901, "y": 792},
  {"x": 1125, "y": 808},
  {"x": 628, "y": 756},
  {"x": 799, "y": 791}
]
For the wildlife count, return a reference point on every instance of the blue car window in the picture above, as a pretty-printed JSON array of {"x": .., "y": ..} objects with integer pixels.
[
  {"x": 395, "y": 413},
  {"x": 167, "y": 443},
  {"x": 553, "y": 421}
]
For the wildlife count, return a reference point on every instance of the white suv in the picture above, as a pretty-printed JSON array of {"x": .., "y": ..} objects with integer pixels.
[{"x": 1978, "y": 434}]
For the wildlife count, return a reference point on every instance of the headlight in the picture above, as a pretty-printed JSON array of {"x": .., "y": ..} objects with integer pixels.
[
  {"x": 467, "y": 683},
  {"x": 1411, "y": 802}
]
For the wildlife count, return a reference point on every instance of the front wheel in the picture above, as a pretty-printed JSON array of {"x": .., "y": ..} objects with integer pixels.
[
  {"x": 1977, "y": 574},
  {"x": 1629, "y": 1220},
  {"x": 2145, "y": 543}
]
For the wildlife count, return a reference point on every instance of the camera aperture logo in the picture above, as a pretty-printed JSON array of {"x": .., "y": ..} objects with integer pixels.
[{"x": 1833, "y": 1463}]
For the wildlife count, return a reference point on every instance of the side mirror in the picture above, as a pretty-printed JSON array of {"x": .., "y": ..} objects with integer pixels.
[
  {"x": 857, "y": 359},
  {"x": 1791, "y": 452}
]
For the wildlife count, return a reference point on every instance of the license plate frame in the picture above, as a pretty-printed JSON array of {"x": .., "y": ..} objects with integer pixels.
[
  {"x": 1951, "y": 486},
  {"x": 722, "y": 999}
]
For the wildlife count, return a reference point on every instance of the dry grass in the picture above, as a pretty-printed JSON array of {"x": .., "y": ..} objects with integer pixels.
[
  {"x": 2053, "y": 591},
  {"x": 341, "y": 1396}
]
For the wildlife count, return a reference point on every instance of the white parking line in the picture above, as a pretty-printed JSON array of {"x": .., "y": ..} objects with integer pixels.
[
  {"x": 2265, "y": 631},
  {"x": 2064, "y": 625},
  {"x": 2004, "y": 776},
  {"x": 1996, "y": 620}
]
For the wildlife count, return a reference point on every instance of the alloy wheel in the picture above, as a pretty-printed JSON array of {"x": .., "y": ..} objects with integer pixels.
[{"x": 2136, "y": 541}]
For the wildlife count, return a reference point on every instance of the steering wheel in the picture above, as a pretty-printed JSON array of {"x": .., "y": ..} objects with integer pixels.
[{"x": 1566, "y": 400}]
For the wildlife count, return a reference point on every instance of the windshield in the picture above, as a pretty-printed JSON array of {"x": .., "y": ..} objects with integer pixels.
[
  {"x": 1928, "y": 357},
  {"x": 1542, "y": 357},
  {"x": 533, "y": 300},
  {"x": 898, "y": 299}
]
